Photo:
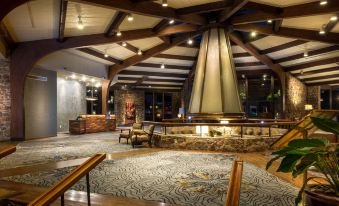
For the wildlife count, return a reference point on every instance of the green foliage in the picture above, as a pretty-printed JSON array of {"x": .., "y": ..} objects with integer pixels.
[
  {"x": 301, "y": 154},
  {"x": 213, "y": 133}
]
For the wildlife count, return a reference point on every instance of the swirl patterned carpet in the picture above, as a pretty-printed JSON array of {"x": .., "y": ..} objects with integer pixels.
[
  {"x": 183, "y": 178},
  {"x": 64, "y": 148}
]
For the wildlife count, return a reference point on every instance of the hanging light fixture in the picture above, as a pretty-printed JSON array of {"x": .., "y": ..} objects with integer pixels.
[
  {"x": 253, "y": 34},
  {"x": 322, "y": 30},
  {"x": 323, "y": 3},
  {"x": 80, "y": 25},
  {"x": 162, "y": 66},
  {"x": 334, "y": 18},
  {"x": 119, "y": 33},
  {"x": 106, "y": 55},
  {"x": 172, "y": 21},
  {"x": 139, "y": 52},
  {"x": 130, "y": 17},
  {"x": 124, "y": 44},
  {"x": 164, "y": 3}
]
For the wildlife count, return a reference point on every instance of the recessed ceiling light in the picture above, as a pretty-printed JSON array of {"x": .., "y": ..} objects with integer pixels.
[
  {"x": 172, "y": 21},
  {"x": 269, "y": 21},
  {"x": 92, "y": 80},
  {"x": 253, "y": 34},
  {"x": 164, "y": 3},
  {"x": 84, "y": 78},
  {"x": 162, "y": 66},
  {"x": 124, "y": 44},
  {"x": 80, "y": 25},
  {"x": 323, "y": 3},
  {"x": 106, "y": 55},
  {"x": 322, "y": 31},
  {"x": 306, "y": 53},
  {"x": 190, "y": 41},
  {"x": 119, "y": 33},
  {"x": 139, "y": 52},
  {"x": 130, "y": 17},
  {"x": 334, "y": 18}
]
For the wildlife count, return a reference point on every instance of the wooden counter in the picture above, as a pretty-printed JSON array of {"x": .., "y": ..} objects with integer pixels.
[{"x": 92, "y": 124}]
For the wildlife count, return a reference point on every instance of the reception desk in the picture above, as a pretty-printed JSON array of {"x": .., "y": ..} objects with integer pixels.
[{"x": 92, "y": 124}]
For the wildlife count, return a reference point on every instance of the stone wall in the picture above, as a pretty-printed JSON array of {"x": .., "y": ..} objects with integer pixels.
[
  {"x": 296, "y": 97},
  {"x": 5, "y": 100},
  {"x": 71, "y": 101},
  {"x": 313, "y": 96},
  {"x": 123, "y": 96}
]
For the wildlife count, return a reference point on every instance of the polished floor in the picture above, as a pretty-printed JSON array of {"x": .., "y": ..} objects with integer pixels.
[{"x": 25, "y": 193}]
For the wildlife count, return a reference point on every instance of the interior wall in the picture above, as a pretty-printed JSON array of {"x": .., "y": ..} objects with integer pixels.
[
  {"x": 71, "y": 101},
  {"x": 5, "y": 100},
  {"x": 40, "y": 105},
  {"x": 121, "y": 97}
]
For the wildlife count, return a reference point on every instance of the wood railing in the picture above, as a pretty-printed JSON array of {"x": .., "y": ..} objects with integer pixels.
[
  {"x": 234, "y": 185},
  {"x": 7, "y": 150},
  {"x": 67, "y": 182},
  {"x": 268, "y": 125},
  {"x": 305, "y": 123}
]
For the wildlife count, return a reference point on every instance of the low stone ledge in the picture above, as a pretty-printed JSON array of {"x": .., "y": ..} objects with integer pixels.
[{"x": 220, "y": 144}]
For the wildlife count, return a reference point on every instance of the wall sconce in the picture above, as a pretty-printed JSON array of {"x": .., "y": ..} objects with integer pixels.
[{"x": 308, "y": 107}]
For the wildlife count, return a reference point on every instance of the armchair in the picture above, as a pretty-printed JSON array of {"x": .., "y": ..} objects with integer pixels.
[{"x": 138, "y": 138}]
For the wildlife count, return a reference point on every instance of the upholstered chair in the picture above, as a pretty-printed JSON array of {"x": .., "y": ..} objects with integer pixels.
[
  {"x": 136, "y": 129},
  {"x": 138, "y": 138}
]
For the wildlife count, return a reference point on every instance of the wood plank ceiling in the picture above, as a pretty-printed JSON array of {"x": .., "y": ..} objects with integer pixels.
[{"x": 284, "y": 34}]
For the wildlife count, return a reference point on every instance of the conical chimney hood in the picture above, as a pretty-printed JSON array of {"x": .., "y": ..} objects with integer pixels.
[{"x": 215, "y": 87}]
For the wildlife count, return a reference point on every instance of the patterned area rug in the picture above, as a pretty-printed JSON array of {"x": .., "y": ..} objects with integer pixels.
[
  {"x": 63, "y": 148},
  {"x": 183, "y": 178}
]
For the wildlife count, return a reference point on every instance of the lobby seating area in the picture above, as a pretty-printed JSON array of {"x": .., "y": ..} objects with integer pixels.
[{"x": 169, "y": 102}]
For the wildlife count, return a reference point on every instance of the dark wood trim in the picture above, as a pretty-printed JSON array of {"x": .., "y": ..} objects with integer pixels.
[
  {"x": 283, "y": 46},
  {"x": 155, "y": 74},
  {"x": 302, "y": 34},
  {"x": 239, "y": 55},
  {"x": 147, "y": 84},
  {"x": 62, "y": 19},
  {"x": 312, "y": 64},
  {"x": 8, "y": 5},
  {"x": 146, "y": 9},
  {"x": 248, "y": 64},
  {"x": 7, "y": 40},
  {"x": 277, "y": 24},
  {"x": 228, "y": 12},
  {"x": 262, "y": 7},
  {"x": 177, "y": 57},
  {"x": 116, "y": 22},
  {"x": 151, "y": 65},
  {"x": 307, "y": 9},
  {"x": 331, "y": 24},
  {"x": 310, "y": 54},
  {"x": 100, "y": 55}
]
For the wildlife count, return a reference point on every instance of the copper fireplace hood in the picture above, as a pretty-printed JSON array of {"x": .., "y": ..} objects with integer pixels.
[{"x": 215, "y": 87}]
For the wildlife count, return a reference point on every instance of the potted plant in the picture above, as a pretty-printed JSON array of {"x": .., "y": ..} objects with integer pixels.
[{"x": 301, "y": 154}]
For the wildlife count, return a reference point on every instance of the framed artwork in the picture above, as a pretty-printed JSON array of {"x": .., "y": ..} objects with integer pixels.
[{"x": 129, "y": 113}]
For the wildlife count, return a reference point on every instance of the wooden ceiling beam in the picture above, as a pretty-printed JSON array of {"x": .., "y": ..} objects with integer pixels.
[
  {"x": 176, "y": 57},
  {"x": 333, "y": 60},
  {"x": 323, "y": 83},
  {"x": 62, "y": 19},
  {"x": 115, "y": 69},
  {"x": 155, "y": 74},
  {"x": 307, "y": 79},
  {"x": 147, "y": 9},
  {"x": 161, "y": 25},
  {"x": 255, "y": 53},
  {"x": 310, "y": 54},
  {"x": 167, "y": 66},
  {"x": 129, "y": 47},
  {"x": 239, "y": 55},
  {"x": 331, "y": 24},
  {"x": 301, "y": 10},
  {"x": 100, "y": 55},
  {"x": 248, "y": 64},
  {"x": 277, "y": 24},
  {"x": 204, "y": 8},
  {"x": 7, "y": 40},
  {"x": 283, "y": 46},
  {"x": 262, "y": 7},
  {"x": 116, "y": 22},
  {"x": 318, "y": 71},
  {"x": 301, "y": 34},
  {"x": 229, "y": 11},
  {"x": 151, "y": 80}
]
